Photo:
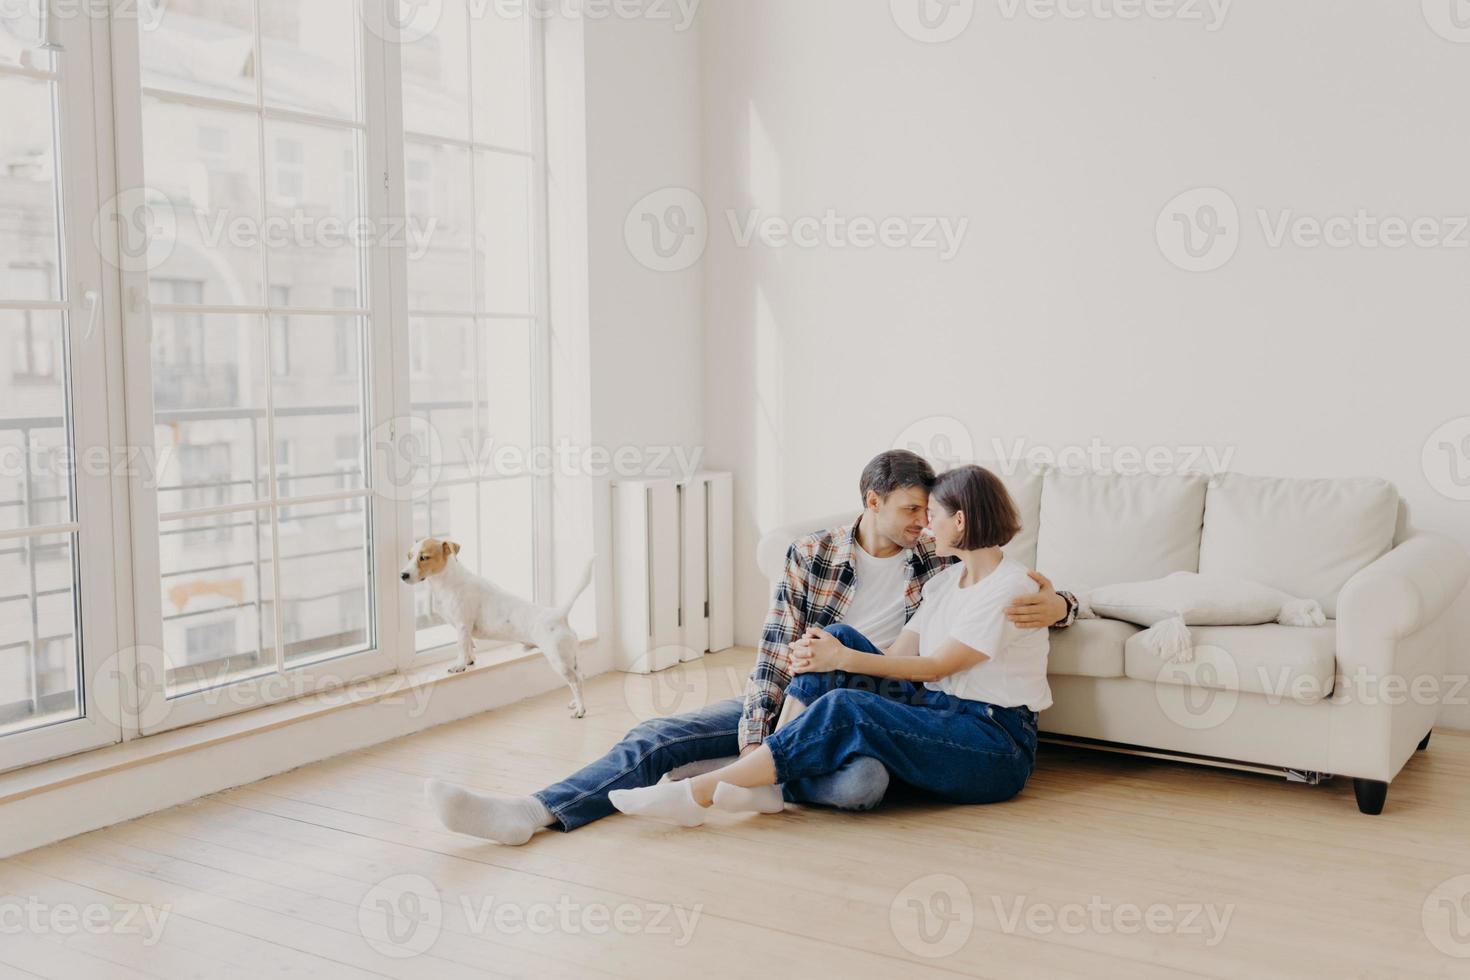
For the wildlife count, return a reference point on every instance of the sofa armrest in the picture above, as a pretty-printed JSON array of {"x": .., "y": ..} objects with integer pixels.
[{"x": 1400, "y": 593}]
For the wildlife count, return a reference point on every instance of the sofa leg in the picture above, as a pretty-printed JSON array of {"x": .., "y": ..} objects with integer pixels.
[
  {"x": 1371, "y": 794},
  {"x": 1424, "y": 743}
]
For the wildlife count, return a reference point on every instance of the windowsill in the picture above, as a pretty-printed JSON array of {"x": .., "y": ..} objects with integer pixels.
[{"x": 33, "y": 780}]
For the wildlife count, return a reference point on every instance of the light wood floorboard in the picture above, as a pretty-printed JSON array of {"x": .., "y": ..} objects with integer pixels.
[{"x": 290, "y": 876}]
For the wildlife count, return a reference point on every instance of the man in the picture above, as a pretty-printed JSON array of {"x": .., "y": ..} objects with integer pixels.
[{"x": 869, "y": 575}]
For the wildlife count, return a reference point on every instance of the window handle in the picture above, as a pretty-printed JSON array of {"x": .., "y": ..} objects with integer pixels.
[{"x": 91, "y": 298}]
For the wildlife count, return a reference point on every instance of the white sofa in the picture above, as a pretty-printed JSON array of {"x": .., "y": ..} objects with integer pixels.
[{"x": 1352, "y": 698}]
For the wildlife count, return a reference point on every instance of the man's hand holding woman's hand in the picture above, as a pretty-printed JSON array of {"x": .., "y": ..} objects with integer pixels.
[{"x": 816, "y": 653}]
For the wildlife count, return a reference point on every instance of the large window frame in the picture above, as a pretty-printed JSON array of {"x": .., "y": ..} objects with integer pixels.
[
  {"x": 88, "y": 364},
  {"x": 118, "y": 518}
]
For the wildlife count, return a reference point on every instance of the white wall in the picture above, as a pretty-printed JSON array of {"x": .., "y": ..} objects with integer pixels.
[
  {"x": 1060, "y": 319},
  {"x": 627, "y": 347}
]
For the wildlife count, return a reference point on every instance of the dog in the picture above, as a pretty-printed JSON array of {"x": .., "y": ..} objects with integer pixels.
[{"x": 479, "y": 610}]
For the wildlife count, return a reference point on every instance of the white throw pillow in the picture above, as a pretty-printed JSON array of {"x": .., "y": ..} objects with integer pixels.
[{"x": 1170, "y": 605}]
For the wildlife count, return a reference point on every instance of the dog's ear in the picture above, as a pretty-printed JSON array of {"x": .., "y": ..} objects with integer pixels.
[{"x": 450, "y": 548}]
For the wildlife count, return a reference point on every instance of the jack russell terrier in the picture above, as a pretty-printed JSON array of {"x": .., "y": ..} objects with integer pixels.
[{"x": 479, "y": 610}]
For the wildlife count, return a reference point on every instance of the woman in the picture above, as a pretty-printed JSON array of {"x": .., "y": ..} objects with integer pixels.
[{"x": 949, "y": 708}]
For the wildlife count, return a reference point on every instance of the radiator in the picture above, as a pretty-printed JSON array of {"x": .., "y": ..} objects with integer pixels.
[{"x": 674, "y": 574}]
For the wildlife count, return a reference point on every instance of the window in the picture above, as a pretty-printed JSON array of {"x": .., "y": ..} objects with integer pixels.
[
  {"x": 56, "y": 587},
  {"x": 268, "y": 534},
  {"x": 470, "y": 157},
  {"x": 263, "y": 542}
]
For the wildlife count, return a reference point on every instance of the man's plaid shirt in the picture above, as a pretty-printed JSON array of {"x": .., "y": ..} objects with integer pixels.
[{"x": 815, "y": 590}]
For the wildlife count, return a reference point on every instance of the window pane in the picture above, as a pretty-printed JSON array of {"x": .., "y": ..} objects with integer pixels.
[
  {"x": 436, "y": 72},
  {"x": 35, "y": 487},
  {"x": 503, "y": 231},
  {"x": 215, "y": 572},
  {"x": 507, "y": 535},
  {"x": 310, "y": 54},
  {"x": 441, "y": 374},
  {"x": 203, "y": 166},
  {"x": 38, "y": 633},
  {"x": 506, "y": 370},
  {"x": 438, "y": 182},
  {"x": 501, "y": 47},
  {"x": 325, "y": 577},
  {"x": 209, "y": 408},
  {"x": 313, "y": 203},
  {"x": 202, "y": 49},
  {"x": 319, "y": 410},
  {"x": 29, "y": 257},
  {"x": 20, "y": 38}
]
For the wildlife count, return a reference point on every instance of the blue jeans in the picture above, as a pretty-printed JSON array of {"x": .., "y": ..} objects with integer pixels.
[
  {"x": 662, "y": 745},
  {"x": 961, "y": 751}
]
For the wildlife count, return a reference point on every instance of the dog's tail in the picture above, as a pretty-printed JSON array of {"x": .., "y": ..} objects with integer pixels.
[{"x": 565, "y": 608}]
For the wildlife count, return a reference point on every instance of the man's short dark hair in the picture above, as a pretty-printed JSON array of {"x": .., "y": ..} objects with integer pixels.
[
  {"x": 991, "y": 520},
  {"x": 895, "y": 470}
]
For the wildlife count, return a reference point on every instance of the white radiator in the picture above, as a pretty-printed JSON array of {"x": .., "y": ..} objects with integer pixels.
[{"x": 674, "y": 573}]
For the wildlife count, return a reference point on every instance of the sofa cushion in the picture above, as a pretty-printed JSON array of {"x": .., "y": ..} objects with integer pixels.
[
  {"x": 1305, "y": 537},
  {"x": 1291, "y": 663},
  {"x": 1024, "y": 485},
  {"x": 1089, "y": 648},
  {"x": 1098, "y": 529}
]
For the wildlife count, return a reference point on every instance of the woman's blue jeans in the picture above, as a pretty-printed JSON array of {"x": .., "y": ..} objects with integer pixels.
[{"x": 961, "y": 751}]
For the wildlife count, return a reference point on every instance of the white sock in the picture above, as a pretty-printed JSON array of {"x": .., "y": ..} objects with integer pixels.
[
  {"x": 749, "y": 799},
  {"x": 700, "y": 767},
  {"x": 504, "y": 819},
  {"x": 666, "y": 801}
]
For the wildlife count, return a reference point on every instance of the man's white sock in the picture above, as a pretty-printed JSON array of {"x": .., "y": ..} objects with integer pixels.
[
  {"x": 749, "y": 799},
  {"x": 505, "y": 819},
  {"x": 665, "y": 801}
]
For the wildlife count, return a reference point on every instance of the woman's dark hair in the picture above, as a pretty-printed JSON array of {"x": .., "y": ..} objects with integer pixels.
[
  {"x": 990, "y": 514},
  {"x": 894, "y": 470}
]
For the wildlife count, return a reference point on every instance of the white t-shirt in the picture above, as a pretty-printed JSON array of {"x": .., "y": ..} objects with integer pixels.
[
  {"x": 1015, "y": 674},
  {"x": 877, "y": 607}
]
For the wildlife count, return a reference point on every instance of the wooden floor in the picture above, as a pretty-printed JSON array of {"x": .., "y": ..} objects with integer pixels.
[{"x": 1105, "y": 866}]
